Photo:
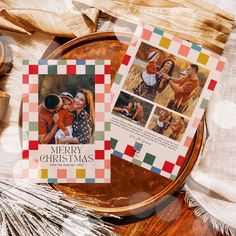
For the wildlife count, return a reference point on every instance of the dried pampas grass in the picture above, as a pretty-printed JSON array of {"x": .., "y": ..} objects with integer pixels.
[
  {"x": 30, "y": 209},
  {"x": 58, "y": 19},
  {"x": 195, "y": 21}
]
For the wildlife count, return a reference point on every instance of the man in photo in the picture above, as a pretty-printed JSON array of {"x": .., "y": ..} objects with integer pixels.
[
  {"x": 177, "y": 127},
  {"x": 163, "y": 122},
  {"x": 48, "y": 117},
  {"x": 138, "y": 112},
  {"x": 125, "y": 110},
  {"x": 184, "y": 89},
  {"x": 66, "y": 118}
]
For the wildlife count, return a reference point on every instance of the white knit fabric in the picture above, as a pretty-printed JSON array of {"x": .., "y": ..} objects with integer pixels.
[{"x": 212, "y": 184}]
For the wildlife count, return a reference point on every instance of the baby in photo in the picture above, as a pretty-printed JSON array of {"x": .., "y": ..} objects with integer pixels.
[{"x": 66, "y": 118}]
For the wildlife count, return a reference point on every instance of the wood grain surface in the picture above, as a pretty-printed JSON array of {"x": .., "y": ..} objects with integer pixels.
[{"x": 171, "y": 218}]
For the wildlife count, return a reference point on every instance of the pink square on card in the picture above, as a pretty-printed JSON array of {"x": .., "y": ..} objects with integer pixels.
[
  {"x": 71, "y": 181},
  {"x": 25, "y": 98},
  {"x": 33, "y": 164},
  {"x": 107, "y": 164},
  {"x": 99, "y": 173},
  {"x": 177, "y": 39},
  {"x": 107, "y": 107},
  {"x": 188, "y": 141},
  {"x": 220, "y": 66},
  {"x": 99, "y": 97},
  {"x": 99, "y": 116},
  {"x": 33, "y": 107},
  {"x": 33, "y": 88},
  {"x": 107, "y": 88},
  {"x": 25, "y": 116},
  {"x": 214, "y": 55},
  {"x": 62, "y": 173},
  {"x": 196, "y": 122},
  {"x": 184, "y": 50}
]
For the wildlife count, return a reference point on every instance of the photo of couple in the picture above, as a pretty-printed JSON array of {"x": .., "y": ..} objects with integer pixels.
[
  {"x": 166, "y": 79},
  {"x": 132, "y": 109},
  {"x": 168, "y": 124},
  {"x": 67, "y": 117}
]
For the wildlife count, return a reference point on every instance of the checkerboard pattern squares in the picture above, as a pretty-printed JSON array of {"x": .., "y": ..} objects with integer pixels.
[
  {"x": 32, "y": 170},
  {"x": 180, "y": 48}
]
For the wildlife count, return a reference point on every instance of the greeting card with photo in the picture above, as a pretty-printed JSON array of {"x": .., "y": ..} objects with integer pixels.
[
  {"x": 159, "y": 97},
  {"x": 66, "y": 121}
]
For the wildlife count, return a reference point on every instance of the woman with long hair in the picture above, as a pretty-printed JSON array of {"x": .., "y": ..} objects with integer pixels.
[
  {"x": 166, "y": 68},
  {"x": 153, "y": 79},
  {"x": 84, "y": 119}
]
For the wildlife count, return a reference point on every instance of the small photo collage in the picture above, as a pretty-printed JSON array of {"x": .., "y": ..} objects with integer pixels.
[{"x": 164, "y": 86}]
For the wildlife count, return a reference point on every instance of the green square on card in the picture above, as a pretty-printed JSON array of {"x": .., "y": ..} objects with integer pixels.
[
  {"x": 137, "y": 162},
  {"x": 149, "y": 159},
  {"x": 33, "y": 126},
  {"x": 61, "y": 62},
  {"x": 113, "y": 143},
  {"x": 99, "y": 135},
  {"x": 25, "y": 62},
  {"x": 204, "y": 103},
  {"x": 90, "y": 69},
  {"x": 99, "y": 62},
  {"x": 52, "y": 69},
  {"x": 118, "y": 79},
  {"x": 107, "y": 126}
]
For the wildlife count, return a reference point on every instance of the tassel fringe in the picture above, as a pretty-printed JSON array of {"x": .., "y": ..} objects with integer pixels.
[{"x": 201, "y": 212}]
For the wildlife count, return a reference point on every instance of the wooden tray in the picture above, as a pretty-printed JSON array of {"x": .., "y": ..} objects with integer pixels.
[{"x": 133, "y": 189}]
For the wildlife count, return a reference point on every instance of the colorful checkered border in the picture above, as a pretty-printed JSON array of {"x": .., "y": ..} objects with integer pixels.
[
  {"x": 32, "y": 171},
  {"x": 185, "y": 50}
]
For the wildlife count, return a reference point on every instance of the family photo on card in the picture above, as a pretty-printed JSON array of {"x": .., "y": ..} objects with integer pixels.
[
  {"x": 66, "y": 121},
  {"x": 160, "y": 94},
  {"x": 66, "y": 110}
]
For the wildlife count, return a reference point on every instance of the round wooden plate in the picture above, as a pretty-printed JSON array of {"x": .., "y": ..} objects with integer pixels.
[{"x": 133, "y": 189}]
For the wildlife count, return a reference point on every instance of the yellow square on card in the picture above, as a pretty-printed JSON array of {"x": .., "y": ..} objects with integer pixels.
[
  {"x": 43, "y": 173},
  {"x": 80, "y": 173},
  {"x": 203, "y": 58},
  {"x": 165, "y": 42}
]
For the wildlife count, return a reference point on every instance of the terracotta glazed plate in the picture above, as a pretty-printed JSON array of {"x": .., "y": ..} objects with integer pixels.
[{"x": 133, "y": 189}]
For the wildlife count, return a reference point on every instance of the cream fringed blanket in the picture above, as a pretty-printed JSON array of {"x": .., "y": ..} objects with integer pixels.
[{"x": 212, "y": 185}]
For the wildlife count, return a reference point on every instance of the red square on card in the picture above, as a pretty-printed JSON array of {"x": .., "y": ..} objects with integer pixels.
[
  {"x": 212, "y": 85},
  {"x": 25, "y": 79},
  {"x": 107, "y": 69},
  {"x": 107, "y": 145},
  {"x": 129, "y": 151},
  {"x": 33, "y": 145},
  {"x": 126, "y": 60},
  {"x": 25, "y": 154},
  {"x": 99, "y": 154},
  {"x": 180, "y": 161},
  {"x": 33, "y": 69},
  {"x": 99, "y": 79},
  {"x": 71, "y": 69},
  {"x": 168, "y": 167}
]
